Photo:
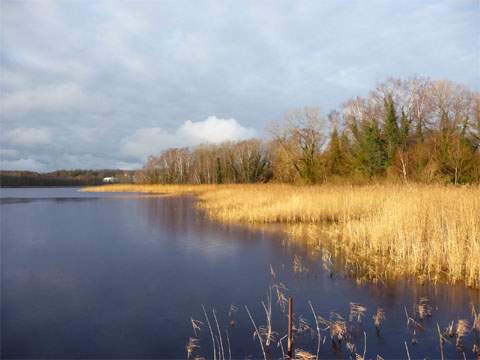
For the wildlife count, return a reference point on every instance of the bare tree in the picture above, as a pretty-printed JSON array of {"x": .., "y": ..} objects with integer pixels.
[{"x": 300, "y": 138}]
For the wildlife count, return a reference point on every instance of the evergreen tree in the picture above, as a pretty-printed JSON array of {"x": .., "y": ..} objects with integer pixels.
[
  {"x": 346, "y": 148},
  {"x": 335, "y": 155},
  {"x": 391, "y": 129},
  {"x": 404, "y": 130},
  {"x": 374, "y": 158}
]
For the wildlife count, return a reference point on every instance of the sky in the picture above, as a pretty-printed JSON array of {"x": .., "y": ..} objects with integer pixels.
[{"x": 103, "y": 84}]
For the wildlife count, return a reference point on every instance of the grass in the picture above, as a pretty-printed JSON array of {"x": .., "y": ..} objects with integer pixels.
[{"x": 430, "y": 233}]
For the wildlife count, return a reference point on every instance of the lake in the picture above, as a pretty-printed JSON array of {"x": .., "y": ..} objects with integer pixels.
[{"x": 87, "y": 275}]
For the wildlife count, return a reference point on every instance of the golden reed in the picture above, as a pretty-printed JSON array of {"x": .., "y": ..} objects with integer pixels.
[{"x": 427, "y": 232}]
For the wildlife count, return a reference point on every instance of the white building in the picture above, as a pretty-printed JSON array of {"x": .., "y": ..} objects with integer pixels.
[{"x": 109, "y": 179}]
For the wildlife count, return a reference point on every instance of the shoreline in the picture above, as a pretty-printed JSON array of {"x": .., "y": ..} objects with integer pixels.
[{"x": 431, "y": 233}]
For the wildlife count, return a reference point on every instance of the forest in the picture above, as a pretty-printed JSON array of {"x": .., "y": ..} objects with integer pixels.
[{"x": 405, "y": 130}]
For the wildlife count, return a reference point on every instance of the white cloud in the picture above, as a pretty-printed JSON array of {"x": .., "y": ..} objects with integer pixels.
[
  {"x": 146, "y": 141},
  {"x": 28, "y": 136},
  {"x": 214, "y": 130},
  {"x": 43, "y": 98}
]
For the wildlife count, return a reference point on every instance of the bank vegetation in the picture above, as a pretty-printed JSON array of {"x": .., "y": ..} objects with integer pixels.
[
  {"x": 414, "y": 130},
  {"x": 388, "y": 183},
  {"x": 427, "y": 232}
]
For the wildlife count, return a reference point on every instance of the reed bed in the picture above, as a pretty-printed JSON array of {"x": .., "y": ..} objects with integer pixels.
[
  {"x": 430, "y": 232},
  {"x": 335, "y": 334}
]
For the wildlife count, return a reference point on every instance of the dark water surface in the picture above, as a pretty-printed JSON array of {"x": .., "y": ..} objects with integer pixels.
[{"x": 119, "y": 276}]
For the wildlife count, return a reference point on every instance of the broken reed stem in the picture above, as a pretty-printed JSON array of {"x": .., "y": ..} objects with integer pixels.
[
  {"x": 256, "y": 332},
  {"x": 440, "y": 340},
  {"x": 364, "y": 345},
  {"x": 268, "y": 314},
  {"x": 408, "y": 353},
  {"x": 319, "y": 337},
  {"x": 290, "y": 327},
  {"x": 281, "y": 345}
]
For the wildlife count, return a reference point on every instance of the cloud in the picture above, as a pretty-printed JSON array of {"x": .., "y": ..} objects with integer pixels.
[
  {"x": 8, "y": 153},
  {"x": 41, "y": 98},
  {"x": 28, "y": 136},
  {"x": 22, "y": 164},
  {"x": 147, "y": 141},
  {"x": 214, "y": 130},
  {"x": 116, "y": 80}
]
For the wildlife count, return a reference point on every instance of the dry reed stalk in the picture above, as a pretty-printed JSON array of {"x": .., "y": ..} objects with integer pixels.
[
  {"x": 228, "y": 342},
  {"x": 441, "y": 341},
  {"x": 282, "y": 301},
  {"x": 408, "y": 353},
  {"x": 256, "y": 333},
  {"x": 191, "y": 346},
  {"x": 196, "y": 325},
  {"x": 280, "y": 344},
  {"x": 463, "y": 328},
  {"x": 357, "y": 312},
  {"x": 298, "y": 265},
  {"x": 424, "y": 308},
  {"x": 319, "y": 336},
  {"x": 429, "y": 232},
  {"x": 476, "y": 319},
  {"x": 303, "y": 325},
  {"x": 352, "y": 349},
  {"x": 378, "y": 318},
  {"x": 358, "y": 357},
  {"x": 451, "y": 329},
  {"x": 301, "y": 354},
  {"x": 338, "y": 328},
  {"x": 222, "y": 352},
  {"x": 211, "y": 333},
  {"x": 268, "y": 332}
]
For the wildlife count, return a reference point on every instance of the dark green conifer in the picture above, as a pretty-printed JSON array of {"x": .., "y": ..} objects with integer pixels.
[
  {"x": 404, "y": 130},
  {"x": 391, "y": 129},
  {"x": 335, "y": 156},
  {"x": 374, "y": 154}
]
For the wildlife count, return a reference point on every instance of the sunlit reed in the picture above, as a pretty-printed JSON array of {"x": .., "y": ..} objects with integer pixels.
[{"x": 430, "y": 233}]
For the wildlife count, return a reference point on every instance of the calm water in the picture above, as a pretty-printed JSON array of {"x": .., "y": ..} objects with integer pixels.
[{"x": 120, "y": 276}]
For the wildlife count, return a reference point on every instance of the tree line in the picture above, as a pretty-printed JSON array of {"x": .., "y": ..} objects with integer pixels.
[
  {"x": 413, "y": 130},
  {"x": 62, "y": 177}
]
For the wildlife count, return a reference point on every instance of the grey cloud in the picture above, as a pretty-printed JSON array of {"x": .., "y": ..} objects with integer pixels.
[
  {"x": 27, "y": 136},
  {"x": 94, "y": 74}
]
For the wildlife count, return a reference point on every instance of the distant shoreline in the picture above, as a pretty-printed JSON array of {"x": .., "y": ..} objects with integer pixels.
[
  {"x": 62, "y": 178},
  {"x": 38, "y": 186}
]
